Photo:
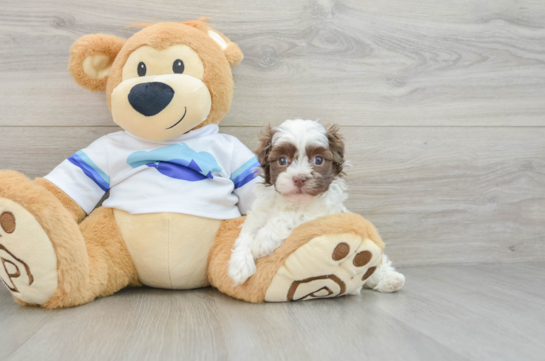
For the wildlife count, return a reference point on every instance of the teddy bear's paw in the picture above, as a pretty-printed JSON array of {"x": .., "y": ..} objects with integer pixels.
[
  {"x": 326, "y": 266},
  {"x": 28, "y": 261},
  {"x": 241, "y": 265}
]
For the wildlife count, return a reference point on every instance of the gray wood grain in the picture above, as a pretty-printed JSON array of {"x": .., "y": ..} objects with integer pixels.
[
  {"x": 395, "y": 63},
  {"x": 437, "y": 194},
  {"x": 442, "y": 107},
  {"x": 485, "y": 312}
]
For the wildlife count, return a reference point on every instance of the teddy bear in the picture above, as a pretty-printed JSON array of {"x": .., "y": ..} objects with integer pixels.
[{"x": 178, "y": 189}]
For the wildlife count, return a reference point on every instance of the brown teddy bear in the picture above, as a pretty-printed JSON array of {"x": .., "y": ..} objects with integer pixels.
[{"x": 177, "y": 189}]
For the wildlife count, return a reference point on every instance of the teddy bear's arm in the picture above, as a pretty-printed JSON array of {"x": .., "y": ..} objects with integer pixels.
[
  {"x": 68, "y": 203},
  {"x": 84, "y": 177},
  {"x": 244, "y": 174}
]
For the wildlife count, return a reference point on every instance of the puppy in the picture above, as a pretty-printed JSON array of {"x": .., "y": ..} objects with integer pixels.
[{"x": 302, "y": 166}]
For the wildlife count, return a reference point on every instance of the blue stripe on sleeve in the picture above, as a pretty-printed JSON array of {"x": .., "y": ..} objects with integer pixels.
[
  {"x": 244, "y": 167},
  {"x": 245, "y": 173},
  {"x": 91, "y": 170},
  {"x": 250, "y": 177}
]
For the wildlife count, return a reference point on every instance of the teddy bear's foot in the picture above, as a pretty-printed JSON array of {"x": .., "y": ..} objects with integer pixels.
[
  {"x": 326, "y": 266},
  {"x": 327, "y": 257},
  {"x": 29, "y": 262}
]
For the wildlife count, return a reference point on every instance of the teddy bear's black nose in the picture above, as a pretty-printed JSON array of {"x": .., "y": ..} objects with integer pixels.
[{"x": 150, "y": 98}]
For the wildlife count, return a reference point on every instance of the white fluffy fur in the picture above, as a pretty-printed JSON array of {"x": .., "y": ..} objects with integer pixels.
[
  {"x": 385, "y": 278},
  {"x": 271, "y": 221},
  {"x": 279, "y": 209}
]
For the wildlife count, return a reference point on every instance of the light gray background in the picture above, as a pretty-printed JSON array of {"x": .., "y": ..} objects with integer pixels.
[{"x": 443, "y": 107}]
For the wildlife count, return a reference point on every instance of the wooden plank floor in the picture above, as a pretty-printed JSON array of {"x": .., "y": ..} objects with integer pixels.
[{"x": 472, "y": 312}]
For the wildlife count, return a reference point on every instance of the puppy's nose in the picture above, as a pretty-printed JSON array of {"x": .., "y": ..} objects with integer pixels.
[
  {"x": 150, "y": 98},
  {"x": 299, "y": 180}
]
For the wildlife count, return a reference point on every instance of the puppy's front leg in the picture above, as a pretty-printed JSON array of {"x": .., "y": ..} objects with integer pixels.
[
  {"x": 242, "y": 264},
  {"x": 265, "y": 243},
  {"x": 274, "y": 233}
]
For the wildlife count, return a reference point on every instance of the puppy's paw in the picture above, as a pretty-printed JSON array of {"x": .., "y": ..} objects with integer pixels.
[
  {"x": 264, "y": 245},
  {"x": 241, "y": 266},
  {"x": 391, "y": 282},
  {"x": 262, "y": 249}
]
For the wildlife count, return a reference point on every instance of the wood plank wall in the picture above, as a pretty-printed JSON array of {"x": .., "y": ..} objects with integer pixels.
[{"x": 442, "y": 104}]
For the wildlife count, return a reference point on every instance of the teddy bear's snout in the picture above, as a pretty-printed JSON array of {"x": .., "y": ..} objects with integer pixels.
[{"x": 150, "y": 98}]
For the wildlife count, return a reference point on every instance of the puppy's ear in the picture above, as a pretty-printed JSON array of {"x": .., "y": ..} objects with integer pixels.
[
  {"x": 91, "y": 58},
  {"x": 265, "y": 146},
  {"x": 336, "y": 146}
]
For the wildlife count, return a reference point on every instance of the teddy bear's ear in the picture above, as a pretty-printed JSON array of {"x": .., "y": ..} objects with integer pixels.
[
  {"x": 91, "y": 58},
  {"x": 231, "y": 50}
]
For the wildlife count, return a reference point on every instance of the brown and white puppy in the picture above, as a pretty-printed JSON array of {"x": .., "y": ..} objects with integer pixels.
[
  {"x": 301, "y": 159},
  {"x": 302, "y": 167}
]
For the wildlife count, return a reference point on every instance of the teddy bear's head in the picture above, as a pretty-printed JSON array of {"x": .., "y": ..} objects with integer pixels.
[{"x": 166, "y": 80}]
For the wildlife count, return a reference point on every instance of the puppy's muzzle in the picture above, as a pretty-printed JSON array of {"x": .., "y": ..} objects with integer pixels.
[
  {"x": 300, "y": 181},
  {"x": 150, "y": 99}
]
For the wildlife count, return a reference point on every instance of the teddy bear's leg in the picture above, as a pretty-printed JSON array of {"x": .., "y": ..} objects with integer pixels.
[
  {"x": 47, "y": 258},
  {"x": 327, "y": 257},
  {"x": 110, "y": 266}
]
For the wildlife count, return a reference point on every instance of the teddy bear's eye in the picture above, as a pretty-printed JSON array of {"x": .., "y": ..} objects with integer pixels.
[
  {"x": 178, "y": 66},
  {"x": 141, "y": 69}
]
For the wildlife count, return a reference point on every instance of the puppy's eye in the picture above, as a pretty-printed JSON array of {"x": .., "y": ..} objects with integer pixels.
[
  {"x": 141, "y": 69},
  {"x": 178, "y": 66},
  {"x": 318, "y": 160},
  {"x": 283, "y": 161}
]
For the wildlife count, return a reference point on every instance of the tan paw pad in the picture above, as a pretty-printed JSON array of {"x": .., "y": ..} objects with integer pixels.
[
  {"x": 28, "y": 261},
  {"x": 326, "y": 266}
]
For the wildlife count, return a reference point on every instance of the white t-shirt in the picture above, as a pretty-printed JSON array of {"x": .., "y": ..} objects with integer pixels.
[{"x": 202, "y": 173}]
